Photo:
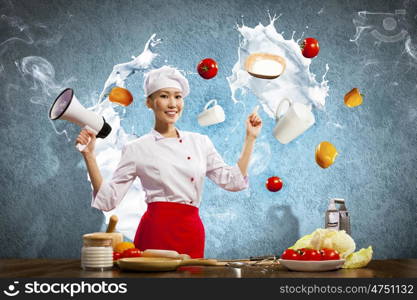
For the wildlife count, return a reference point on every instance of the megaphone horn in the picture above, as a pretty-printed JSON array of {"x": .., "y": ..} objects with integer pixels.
[{"x": 67, "y": 107}]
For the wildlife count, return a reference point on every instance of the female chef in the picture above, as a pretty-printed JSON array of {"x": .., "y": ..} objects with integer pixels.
[{"x": 171, "y": 165}]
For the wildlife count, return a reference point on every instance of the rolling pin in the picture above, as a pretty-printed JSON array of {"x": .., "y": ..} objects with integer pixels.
[{"x": 117, "y": 237}]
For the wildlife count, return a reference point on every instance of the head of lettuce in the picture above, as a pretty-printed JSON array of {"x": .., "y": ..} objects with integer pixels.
[{"x": 339, "y": 241}]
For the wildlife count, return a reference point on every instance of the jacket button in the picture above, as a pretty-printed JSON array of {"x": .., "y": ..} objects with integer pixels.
[
  {"x": 192, "y": 179},
  {"x": 180, "y": 141},
  {"x": 188, "y": 158}
]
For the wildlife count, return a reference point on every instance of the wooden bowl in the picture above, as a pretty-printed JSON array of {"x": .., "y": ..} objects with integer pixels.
[{"x": 256, "y": 57}]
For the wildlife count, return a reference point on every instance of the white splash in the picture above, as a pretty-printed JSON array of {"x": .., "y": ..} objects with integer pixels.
[
  {"x": 108, "y": 150},
  {"x": 296, "y": 83},
  {"x": 122, "y": 71}
]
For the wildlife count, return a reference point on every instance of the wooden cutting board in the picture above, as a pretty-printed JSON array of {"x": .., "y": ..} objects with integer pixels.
[{"x": 160, "y": 264}]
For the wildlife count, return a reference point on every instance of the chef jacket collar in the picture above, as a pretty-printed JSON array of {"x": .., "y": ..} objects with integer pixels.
[{"x": 159, "y": 136}]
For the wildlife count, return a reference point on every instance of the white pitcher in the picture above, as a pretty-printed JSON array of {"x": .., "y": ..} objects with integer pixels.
[
  {"x": 292, "y": 123},
  {"x": 212, "y": 115}
]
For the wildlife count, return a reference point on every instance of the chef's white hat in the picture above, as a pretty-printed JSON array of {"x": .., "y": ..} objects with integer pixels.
[{"x": 165, "y": 77}]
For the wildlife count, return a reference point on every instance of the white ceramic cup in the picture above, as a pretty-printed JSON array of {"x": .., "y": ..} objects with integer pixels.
[
  {"x": 297, "y": 119},
  {"x": 212, "y": 115}
]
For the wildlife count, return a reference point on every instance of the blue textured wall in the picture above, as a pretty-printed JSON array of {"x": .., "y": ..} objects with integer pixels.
[{"x": 45, "y": 195}]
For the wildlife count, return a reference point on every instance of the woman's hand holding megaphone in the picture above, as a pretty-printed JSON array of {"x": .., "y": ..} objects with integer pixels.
[{"x": 86, "y": 141}]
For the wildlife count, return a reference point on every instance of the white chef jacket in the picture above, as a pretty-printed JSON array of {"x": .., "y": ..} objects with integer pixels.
[{"x": 170, "y": 169}]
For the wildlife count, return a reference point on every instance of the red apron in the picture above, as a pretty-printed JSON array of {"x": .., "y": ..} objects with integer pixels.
[{"x": 171, "y": 226}]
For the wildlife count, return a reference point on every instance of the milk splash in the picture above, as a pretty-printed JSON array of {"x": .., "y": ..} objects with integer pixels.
[
  {"x": 122, "y": 71},
  {"x": 296, "y": 83},
  {"x": 108, "y": 150}
]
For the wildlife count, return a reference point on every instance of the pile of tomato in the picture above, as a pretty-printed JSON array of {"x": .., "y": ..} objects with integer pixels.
[
  {"x": 132, "y": 252},
  {"x": 310, "y": 254}
]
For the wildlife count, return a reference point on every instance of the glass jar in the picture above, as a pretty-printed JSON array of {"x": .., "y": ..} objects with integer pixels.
[{"x": 97, "y": 252}]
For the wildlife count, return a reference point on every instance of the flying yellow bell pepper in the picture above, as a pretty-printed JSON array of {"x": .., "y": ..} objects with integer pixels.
[
  {"x": 326, "y": 154},
  {"x": 353, "y": 98}
]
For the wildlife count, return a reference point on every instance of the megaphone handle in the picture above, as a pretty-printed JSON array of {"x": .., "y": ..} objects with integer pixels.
[{"x": 81, "y": 147}]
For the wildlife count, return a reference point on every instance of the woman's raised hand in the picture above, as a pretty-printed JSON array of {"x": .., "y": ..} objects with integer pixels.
[{"x": 253, "y": 124}]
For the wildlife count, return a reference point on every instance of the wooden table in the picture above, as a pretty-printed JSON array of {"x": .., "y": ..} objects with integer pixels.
[{"x": 70, "y": 268}]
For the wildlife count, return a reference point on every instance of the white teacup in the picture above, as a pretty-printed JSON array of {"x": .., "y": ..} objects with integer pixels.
[
  {"x": 297, "y": 119},
  {"x": 212, "y": 115}
]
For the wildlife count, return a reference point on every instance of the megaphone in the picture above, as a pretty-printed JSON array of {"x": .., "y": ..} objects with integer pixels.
[{"x": 67, "y": 107}]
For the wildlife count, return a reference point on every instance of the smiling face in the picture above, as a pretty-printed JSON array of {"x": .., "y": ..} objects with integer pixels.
[{"x": 167, "y": 105}]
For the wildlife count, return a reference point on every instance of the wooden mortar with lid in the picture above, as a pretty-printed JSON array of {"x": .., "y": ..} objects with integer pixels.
[{"x": 100, "y": 239}]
